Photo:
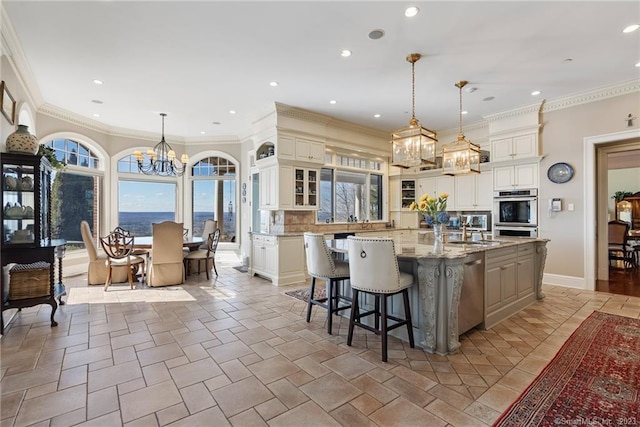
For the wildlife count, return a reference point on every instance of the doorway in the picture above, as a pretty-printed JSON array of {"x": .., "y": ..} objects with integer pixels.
[{"x": 615, "y": 163}]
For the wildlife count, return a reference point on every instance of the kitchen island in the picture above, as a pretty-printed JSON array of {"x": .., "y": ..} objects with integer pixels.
[{"x": 469, "y": 284}]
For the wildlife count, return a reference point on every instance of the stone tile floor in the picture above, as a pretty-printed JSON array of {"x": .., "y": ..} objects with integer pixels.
[{"x": 236, "y": 351}]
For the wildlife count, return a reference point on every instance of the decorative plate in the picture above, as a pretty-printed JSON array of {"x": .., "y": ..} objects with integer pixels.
[{"x": 560, "y": 173}]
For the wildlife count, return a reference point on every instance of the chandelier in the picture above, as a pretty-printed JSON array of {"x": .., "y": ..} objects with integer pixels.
[
  {"x": 461, "y": 156},
  {"x": 162, "y": 159},
  {"x": 413, "y": 145}
]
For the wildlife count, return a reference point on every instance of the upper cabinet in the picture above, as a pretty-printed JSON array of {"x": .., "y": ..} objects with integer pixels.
[
  {"x": 514, "y": 147},
  {"x": 516, "y": 177},
  {"x": 474, "y": 192},
  {"x": 292, "y": 150}
]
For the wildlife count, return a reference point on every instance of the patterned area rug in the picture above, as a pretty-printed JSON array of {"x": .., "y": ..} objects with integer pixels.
[
  {"x": 593, "y": 380},
  {"x": 241, "y": 268},
  {"x": 303, "y": 294}
]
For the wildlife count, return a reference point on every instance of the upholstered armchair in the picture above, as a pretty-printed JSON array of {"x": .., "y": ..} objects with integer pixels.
[
  {"x": 97, "y": 267},
  {"x": 166, "y": 266}
]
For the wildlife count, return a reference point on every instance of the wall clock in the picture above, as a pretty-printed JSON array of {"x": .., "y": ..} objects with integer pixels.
[{"x": 560, "y": 173}]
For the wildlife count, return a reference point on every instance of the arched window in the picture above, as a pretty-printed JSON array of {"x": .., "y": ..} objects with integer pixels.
[
  {"x": 75, "y": 194},
  {"x": 214, "y": 196}
]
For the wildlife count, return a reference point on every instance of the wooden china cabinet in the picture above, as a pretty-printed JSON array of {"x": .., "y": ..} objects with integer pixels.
[{"x": 30, "y": 257}]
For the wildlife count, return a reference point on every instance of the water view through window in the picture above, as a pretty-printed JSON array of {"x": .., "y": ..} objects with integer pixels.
[{"x": 141, "y": 204}]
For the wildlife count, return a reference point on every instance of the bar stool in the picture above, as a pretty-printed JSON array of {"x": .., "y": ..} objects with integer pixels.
[
  {"x": 374, "y": 271},
  {"x": 321, "y": 265}
]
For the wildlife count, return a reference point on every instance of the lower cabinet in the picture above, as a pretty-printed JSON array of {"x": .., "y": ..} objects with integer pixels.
[
  {"x": 509, "y": 282},
  {"x": 278, "y": 258}
]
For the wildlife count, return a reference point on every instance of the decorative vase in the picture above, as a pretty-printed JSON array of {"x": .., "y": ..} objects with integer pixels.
[
  {"x": 21, "y": 141},
  {"x": 438, "y": 238}
]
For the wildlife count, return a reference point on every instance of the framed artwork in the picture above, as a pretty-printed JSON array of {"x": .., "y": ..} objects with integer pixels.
[{"x": 7, "y": 103}]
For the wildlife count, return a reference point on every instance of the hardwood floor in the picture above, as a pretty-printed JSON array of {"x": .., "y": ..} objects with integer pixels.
[{"x": 621, "y": 282}]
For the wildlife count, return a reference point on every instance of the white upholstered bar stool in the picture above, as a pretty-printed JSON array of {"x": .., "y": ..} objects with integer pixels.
[
  {"x": 374, "y": 270},
  {"x": 321, "y": 265}
]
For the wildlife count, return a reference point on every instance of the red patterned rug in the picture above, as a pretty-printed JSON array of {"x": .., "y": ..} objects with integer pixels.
[{"x": 593, "y": 380}]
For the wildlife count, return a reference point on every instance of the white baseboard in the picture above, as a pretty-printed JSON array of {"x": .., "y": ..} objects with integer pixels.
[{"x": 565, "y": 281}]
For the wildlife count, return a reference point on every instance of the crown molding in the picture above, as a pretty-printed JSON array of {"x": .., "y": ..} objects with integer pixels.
[
  {"x": 16, "y": 58},
  {"x": 527, "y": 109},
  {"x": 597, "y": 94}
]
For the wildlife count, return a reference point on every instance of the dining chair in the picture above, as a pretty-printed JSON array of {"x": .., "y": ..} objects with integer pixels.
[
  {"x": 619, "y": 248},
  {"x": 119, "y": 250},
  {"x": 374, "y": 271},
  {"x": 205, "y": 255},
  {"x": 137, "y": 251},
  {"x": 210, "y": 226},
  {"x": 97, "y": 267},
  {"x": 166, "y": 267},
  {"x": 321, "y": 265}
]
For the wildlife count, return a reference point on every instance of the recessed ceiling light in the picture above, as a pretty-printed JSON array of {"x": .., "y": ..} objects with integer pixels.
[
  {"x": 98, "y": 82},
  {"x": 567, "y": 60},
  {"x": 638, "y": 64},
  {"x": 217, "y": 123},
  {"x": 333, "y": 101},
  {"x": 345, "y": 53},
  {"x": 376, "y": 34},
  {"x": 411, "y": 11},
  {"x": 377, "y": 116},
  {"x": 464, "y": 112},
  {"x": 535, "y": 93},
  {"x": 96, "y": 101},
  {"x": 489, "y": 98},
  {"x": 232, "y": 111},
  {"x": 631, "y": 28},
  {"x": 96, "y": 115},
  {"x": 202, "y": 133},
  {"x": 273, "y": 84}
]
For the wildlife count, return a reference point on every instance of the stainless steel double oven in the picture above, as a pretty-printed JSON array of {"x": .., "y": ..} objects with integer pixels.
[{"x": 515, "y": 213}]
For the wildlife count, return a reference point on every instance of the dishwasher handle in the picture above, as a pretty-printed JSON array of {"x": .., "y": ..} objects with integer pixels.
[{"x": 476, "y": 262}]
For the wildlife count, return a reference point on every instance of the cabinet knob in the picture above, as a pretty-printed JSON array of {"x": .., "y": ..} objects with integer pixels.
[{"x": 503, "y": 267}]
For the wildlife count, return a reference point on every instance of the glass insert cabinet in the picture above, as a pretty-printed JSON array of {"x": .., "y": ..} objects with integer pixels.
[{"x": 30, "y": 256}]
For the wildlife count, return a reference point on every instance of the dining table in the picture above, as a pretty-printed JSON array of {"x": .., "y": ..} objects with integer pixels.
[{"x": 145, "y": 242}]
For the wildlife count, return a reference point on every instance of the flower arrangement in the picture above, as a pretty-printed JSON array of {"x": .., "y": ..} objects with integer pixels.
[{"x": 433, "y": 209}]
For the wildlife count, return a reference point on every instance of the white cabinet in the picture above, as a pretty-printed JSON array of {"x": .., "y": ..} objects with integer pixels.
[
  {"x": 394, "y": 194},
  {"x": 285, "y": 149},
  {"x": 279, "y": 258},
  {"x": 518, "y": 176},
  {"x": 434, "y": 186},
  {"x": 516, "y": 147},
  {"x": 305, "y": 187},
  {"x": 408, "y": 193},
  {"x": 474, "y": 192},
  {"x": 309, "y": 151},
  {"x": 276, "y": 188}
]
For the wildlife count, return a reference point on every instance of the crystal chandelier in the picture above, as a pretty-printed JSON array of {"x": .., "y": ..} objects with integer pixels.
[
  {"x": 162, "y": 159},
  {"x": 413, "y": 145},
  {"x": 461, "y": 156}
]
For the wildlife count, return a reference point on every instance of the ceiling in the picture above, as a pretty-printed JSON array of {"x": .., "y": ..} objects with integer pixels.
[{"x": 198, "y": 60}]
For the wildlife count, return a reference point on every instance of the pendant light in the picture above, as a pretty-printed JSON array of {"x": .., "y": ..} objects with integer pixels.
[
  {"x": 413, "y": 145},
  {"x": 461, "y": 156},
  {"x": 162, "y": 159}
]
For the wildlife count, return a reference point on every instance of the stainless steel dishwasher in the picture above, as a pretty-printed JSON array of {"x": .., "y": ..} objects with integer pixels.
[{"x": 471, "y": 308}]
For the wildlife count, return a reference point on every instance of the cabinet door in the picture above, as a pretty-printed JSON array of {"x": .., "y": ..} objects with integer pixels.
[
  {"x": 484, "y": 191},
  {"x": 258, "y": 257},
  {"x": 503, "y": 178},
  {"x": 284, "y": 185},
  {"x": 525, "y": 146},
  {"x": 309, "y": 151},
  {"x": 311, "y": 187},
  {"x": 492, "y": 292},
  {"x": 271, "y": 258},
  {"x": 394, "y": 194},
  {"x": 508, "y": 282},
  {"x": 408, "y": 193},
  {"x": 268, "y": 188},
  {"x": 526, "y": 176},
  {"x": 501, "y": 149},
  {"x": 465, "y": 192},
  {"x": 525, "y": 268},
  {"x": 285, "y": 148},
  {"x": 446, "y": 184},
  {"x": 426, "y": 186}
]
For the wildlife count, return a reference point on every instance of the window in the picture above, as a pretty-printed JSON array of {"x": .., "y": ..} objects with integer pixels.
[
  {"x": 214, "y": 196},
  {"x": 142, "y": 203},
  {"x": 351, "y": 191},
  {"x": 75, "y": 193}
]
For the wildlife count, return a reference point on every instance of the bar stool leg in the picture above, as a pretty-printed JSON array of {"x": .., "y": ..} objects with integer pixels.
[
  {"x": 355, "y": 308},
  {"x": 407, "y": 314},
  {"x": 329, "y": 292},
  {"x": 311, "y": 292},
  {"x": 383, "y": 319}
]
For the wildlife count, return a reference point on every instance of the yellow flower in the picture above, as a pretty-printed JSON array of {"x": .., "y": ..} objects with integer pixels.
[
  {"x": 423, "y": 206},
  {"x": 444, "y": 196},
  {"x": 424, "y": 197},
  {"x": 412, "y": 206}
]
